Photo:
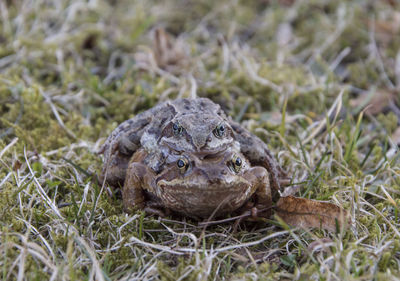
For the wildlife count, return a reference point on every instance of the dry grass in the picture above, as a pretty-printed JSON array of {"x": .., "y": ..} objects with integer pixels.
[{"x": 290, "y": 71}]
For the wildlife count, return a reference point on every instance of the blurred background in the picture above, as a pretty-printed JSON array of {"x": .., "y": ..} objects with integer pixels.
[{"x": 102, "y": 61}]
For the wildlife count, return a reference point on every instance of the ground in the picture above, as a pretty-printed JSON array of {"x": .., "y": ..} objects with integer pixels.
[{"x": 299, "y": 74}]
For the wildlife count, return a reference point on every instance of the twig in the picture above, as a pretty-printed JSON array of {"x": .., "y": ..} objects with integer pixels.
[
  {"x": 246, "y": 214},
  {"x": 253, "y": 243},
  {"x": 154, "y": 246}
]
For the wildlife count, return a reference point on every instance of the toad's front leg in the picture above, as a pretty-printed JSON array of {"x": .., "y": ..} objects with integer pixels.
[
  {"x": 259, "y": 178},
  {"x": 140, "y": 178}
]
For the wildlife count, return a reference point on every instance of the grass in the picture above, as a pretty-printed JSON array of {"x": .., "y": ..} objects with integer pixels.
[{"x": 293, "y": 72}]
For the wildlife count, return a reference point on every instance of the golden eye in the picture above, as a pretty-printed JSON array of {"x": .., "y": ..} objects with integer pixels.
[
  {"x": 177, "y": 129},
  {"x": 182, "y": 164},
  {"x": 236, "y": 163},
  {"x": 219, "y": 131}
]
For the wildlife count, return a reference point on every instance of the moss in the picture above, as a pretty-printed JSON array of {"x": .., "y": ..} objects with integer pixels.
[
  {"x": 168, "y": 274},
  {"x": 388, "y": 121},
  {"x": 362, "y": 74}
]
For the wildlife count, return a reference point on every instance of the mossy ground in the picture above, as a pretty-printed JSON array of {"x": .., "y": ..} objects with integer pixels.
[{"x": 290, "y": 71}]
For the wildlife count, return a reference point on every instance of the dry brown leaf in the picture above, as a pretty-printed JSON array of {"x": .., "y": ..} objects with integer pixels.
[
  {"x": 167, "y": 50},
  {"x": 307, "y": 213},
  {"x": 168, "y": 53},
  {"x": 390, "y": 2},
  {"x": 389, "y": 26},
  {"x": 376, "y": 101}
]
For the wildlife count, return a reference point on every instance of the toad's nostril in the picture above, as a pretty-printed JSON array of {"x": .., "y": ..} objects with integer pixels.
[
  {"x": 209, "y": 139},
  {"x": 215, "y": 181}
]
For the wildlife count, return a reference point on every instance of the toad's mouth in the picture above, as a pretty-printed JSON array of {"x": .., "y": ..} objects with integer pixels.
[
  {"x": 217, "y": 185},
  {"x": 201, "y": 152}
]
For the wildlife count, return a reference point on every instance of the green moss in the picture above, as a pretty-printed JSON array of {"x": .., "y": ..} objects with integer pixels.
[
  {"x": 388, "y": 121},
  {"x": 363, "y": 74},
  {"x": 172, "y": 273}
]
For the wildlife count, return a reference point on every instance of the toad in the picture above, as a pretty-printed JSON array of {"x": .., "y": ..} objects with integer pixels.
[{"x": 188, "y": 157}]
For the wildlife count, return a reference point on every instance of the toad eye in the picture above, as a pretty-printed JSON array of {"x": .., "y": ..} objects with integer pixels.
[
  {"x": 178, "y": 129},
  {"x": 236, "y": 163},
  {"x": 219, "y": 131},
  {"x": 182, "y": 164}
]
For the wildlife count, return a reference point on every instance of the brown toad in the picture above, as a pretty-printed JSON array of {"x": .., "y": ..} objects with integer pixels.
[
  {"x": 194, "y": 186},
  {"x": 189, "y": 144}
]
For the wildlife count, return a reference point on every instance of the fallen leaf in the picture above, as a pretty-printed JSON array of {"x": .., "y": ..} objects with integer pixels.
[
  {"x": 17, "y": 165},
  {"x": 385, "y": 29},
  {"x": 168, "y": 53},
  {"x": 307, "y": 213},
  {"x": 375, "y": 102}
]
